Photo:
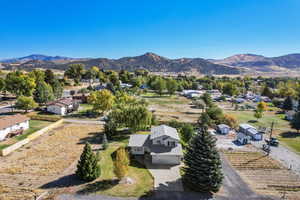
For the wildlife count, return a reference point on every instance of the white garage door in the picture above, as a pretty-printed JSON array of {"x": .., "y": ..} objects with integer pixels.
[{"x": 166, "y": 159}]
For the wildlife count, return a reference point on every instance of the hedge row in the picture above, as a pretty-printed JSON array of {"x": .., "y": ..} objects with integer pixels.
[{"x": 45, "y": 118}]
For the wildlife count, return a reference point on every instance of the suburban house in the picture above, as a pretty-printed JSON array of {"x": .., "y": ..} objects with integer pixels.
[
  {"x": 162, "y": 145},
  {"x": 250, "y": 131},
  {"x": 192, "y": 93},
  {"x": 11, "y": 124},
  {"x": 223, "y": 129},
  {"x": 62, "y": 106}
]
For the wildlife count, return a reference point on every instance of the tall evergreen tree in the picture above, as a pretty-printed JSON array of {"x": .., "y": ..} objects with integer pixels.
[
  {"x": 88, "y": 168},
  {"x": 288, "y": 103},
  {"x": 202, "y": 170},
  {"x": 295, "y": 123}
]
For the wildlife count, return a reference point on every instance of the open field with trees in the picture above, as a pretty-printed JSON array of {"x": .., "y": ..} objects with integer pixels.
[{"x": 173, "y": 107}]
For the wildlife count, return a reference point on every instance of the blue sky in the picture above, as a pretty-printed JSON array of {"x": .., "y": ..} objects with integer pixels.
[{"x": 171, "y": 28}]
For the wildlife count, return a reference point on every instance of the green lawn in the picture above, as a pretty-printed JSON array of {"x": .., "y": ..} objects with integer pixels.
[
  {"x": 265, "y": 121},
  {"x": 34, "y": 125},
  {"x": 282, "y": 129},
  {"x": 107, "y": 183},
  {"x": 84, "y": 112}
]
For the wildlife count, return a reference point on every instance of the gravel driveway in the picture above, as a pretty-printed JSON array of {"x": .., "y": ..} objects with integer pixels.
[{"x": 288, "y": 158}]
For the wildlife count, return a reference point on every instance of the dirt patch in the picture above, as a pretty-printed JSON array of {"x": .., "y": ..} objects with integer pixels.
[
  {"x": 265, "y": 175},
  {"x": 44, "y": 159},
  {"x": 175, "y": 108}
]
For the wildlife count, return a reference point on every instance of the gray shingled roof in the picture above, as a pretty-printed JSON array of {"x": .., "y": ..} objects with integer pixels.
[
  {"x": 162, "y": 130},
  {"x": 163, "y": 150},
  {"x": 220, "y": 126},
  {"x": 137, "y": 140}
]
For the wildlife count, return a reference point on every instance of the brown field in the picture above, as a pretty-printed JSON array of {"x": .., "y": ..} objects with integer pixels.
[
  {"x": 265, "y": 175},
  {"x": 42, "y": 160},
  {"x": 173, "y": 108}
]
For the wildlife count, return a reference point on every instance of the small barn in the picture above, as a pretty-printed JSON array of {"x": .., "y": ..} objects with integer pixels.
[{"x": 223, "y": 129}]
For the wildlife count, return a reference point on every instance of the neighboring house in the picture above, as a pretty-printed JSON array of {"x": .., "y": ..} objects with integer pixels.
[
  {"x": 190, "y": 93},
  {"x": 289, "y": 115},
  {"x": 242, "y": 138},
  {"x": 223, "y": 129},
  {"x": 62, "y": 106},
  {"x": 250, "y": 131},
  {"x": 125, "y": 85},
  {"x": 12, "y": 123},
  {"x": 162, "y": 145}
]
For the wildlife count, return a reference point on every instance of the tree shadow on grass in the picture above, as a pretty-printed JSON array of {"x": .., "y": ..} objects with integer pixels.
[
  {"x": 93, "y": 138},
  {"x": 252, "y": 121},
  {"x": 99, "y": 186},
  {"x": 65, "y": 181},
  {"x": 290, "y": 135}
]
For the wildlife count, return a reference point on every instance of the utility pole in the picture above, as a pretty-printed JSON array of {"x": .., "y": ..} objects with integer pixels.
[{"x": 271, "y": 133}]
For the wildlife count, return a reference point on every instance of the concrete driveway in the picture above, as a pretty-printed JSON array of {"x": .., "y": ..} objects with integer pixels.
[{"x": 166, "y": 178}]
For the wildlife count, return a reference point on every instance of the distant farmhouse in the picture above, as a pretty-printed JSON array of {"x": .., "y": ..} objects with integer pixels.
[
  {"x": 62, "y": 106},
  {"x": 162, "y": 145},
  {"x": 11, "y": 124}
]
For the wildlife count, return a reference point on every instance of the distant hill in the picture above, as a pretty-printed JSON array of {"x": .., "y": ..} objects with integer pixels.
[
  {"x": 39, "y": 57},
  {"x": 262, "y": 63},
  {"x": 149, "y": 61}
]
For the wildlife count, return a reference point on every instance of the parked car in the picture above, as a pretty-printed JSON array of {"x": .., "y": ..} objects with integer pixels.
[{"x": 272, "y": 142}]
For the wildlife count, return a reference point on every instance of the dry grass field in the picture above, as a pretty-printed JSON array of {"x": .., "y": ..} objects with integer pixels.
[
  {"x": 42, "y": 160},
  {"x": 265, "y": 175},
  {"x": 173, "y": 108}
]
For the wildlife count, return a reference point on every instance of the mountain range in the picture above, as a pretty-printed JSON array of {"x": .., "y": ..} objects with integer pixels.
[
  {"x": 262, "y": 63},
  {"x": 149, "y": 61},
  {"x": 231, "y": 65}
]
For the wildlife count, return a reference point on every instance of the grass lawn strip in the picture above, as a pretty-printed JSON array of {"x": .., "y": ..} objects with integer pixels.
[{"x": 107, "y": 183}]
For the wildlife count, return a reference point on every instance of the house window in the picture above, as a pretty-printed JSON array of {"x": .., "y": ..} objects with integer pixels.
[
  {"x": 138, "y": 148},
  {"x": 171, "y": 144}
]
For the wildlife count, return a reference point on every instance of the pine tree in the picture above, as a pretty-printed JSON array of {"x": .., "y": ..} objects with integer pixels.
[
  {"x": 295, "y": 123},
  {"x": 288, "y": 103},
  {"x": 202, "y": 170},
  {"x": 88, "y": 168}
]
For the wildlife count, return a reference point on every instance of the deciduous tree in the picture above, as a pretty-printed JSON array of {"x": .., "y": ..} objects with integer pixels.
[
  {"x": 75, "y": 72},
  {"x": 25, "y": 103},
  {"x": 102, "y": 100}
]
